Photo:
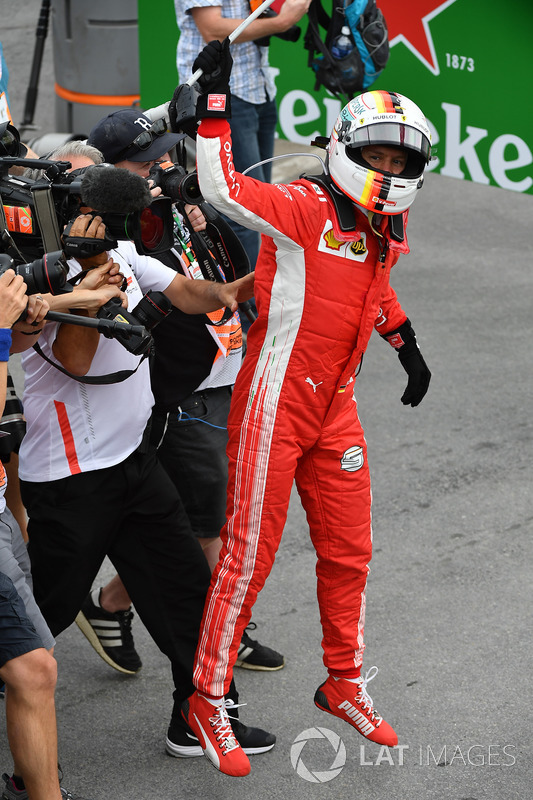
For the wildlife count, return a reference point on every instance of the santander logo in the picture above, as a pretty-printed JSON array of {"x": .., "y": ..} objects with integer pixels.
[{"x": 410, "y": 23}]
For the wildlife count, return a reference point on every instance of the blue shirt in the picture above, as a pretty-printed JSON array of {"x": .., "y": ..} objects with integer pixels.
[{"x": 252, "y": 78}]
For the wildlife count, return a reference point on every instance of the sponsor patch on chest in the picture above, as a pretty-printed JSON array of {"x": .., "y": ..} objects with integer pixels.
[{"x": 353, "y": 251}]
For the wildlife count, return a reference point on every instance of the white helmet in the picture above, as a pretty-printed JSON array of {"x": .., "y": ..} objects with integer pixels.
[{"x": 375, "y": 118}]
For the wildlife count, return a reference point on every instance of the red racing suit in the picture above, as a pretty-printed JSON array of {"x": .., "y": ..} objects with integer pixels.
[{"x": 293, "y": 414}]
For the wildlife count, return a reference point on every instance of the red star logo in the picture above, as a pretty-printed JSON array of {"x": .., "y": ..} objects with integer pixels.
[{"x": 409, "y": 23}]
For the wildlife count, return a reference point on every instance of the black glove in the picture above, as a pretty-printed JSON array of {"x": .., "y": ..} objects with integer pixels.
[
  {"x": 182, "y": 110},
  {"x": 216, "y": 62},
  {"x": 403, "y": 340}
]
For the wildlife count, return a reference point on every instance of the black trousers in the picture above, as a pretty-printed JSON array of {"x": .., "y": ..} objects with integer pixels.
[
  {"x": 193, "y": 453},
  {"x": 132, "y": 513}
]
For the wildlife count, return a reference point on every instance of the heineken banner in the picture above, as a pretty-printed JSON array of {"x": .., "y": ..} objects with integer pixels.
[{"x": 466, "y": 63}]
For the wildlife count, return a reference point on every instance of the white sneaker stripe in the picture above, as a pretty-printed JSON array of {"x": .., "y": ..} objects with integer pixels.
[
  {"x": 104, "y": 623},
  {"x": 207, "y": 747}
]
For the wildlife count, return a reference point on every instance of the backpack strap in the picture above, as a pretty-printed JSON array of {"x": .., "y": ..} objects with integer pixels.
[{"x": 316, "y": 16}]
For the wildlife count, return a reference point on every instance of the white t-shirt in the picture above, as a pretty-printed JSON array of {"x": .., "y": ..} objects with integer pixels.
[{"x": 73, "y": 427}]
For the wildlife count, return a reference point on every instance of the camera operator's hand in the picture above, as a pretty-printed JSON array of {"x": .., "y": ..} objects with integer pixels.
[
  {"x": 201, "y": 297},
  {"x": 155, "y": 191},
  {"x": 231, "y": 294},
  {"x": 86, "y": 226},
  {"x": 107, "y": 274},
  {"x": 13, "y": 299},
  {"x": 89, "y": 300},
  {"x": 36, "y": 311},
  {"x": 215, "y": 61},
  {"x": 195, "y": 217},
  {"x": 27, "y": 331}
]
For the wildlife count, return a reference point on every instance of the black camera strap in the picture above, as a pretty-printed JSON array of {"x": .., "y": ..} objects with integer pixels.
[
  {"x": 198, "y": 248},
  {"x": 223, "y": 240},
  {"x": 93, "y": 380}
]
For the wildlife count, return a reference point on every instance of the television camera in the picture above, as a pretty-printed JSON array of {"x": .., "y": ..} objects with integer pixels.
[{"x": 36, "y": 213}]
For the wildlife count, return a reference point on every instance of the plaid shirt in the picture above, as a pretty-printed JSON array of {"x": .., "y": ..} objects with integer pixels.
[{"x": 252, "y": 79}]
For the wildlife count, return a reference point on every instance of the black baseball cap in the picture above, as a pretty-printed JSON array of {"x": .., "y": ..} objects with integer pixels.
[{"x": 129, "y": 135}]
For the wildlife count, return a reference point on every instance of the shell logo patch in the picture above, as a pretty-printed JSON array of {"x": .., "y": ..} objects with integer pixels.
[
  {"x": 352, "y": 459},
  {"x": 330, "y": 240}
]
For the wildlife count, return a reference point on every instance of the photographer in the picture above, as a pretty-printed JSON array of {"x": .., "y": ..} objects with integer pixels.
[
  {"x": 90, "y": 478},
  {"x": 27, "y": 666}
]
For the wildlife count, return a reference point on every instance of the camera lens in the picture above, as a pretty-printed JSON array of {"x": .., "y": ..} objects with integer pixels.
[
  {"x": 152, "y": 308},
  {"x": 189, "y": 189},
  {"x": 46, "y": 274}
]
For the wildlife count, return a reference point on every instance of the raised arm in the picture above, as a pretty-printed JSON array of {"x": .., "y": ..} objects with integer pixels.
[{"x": 212, "y": 25}]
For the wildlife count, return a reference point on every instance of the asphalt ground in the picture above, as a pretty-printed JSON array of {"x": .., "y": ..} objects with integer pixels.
[{"x": 449, "y": 596}]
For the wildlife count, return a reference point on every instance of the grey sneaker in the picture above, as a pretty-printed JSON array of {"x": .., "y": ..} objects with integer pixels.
[{"x": 10, "y": 791}]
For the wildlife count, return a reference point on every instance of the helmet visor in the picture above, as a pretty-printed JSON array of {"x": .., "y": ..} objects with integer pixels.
[{"x": 391, "y": 135}]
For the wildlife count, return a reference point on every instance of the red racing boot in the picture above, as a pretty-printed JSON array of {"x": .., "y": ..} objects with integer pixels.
[
  {"x": 349, "y": 701},
  {"x": 212, "y": 726}
]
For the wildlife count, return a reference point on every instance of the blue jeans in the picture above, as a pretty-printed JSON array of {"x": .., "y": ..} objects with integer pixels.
[{"x": 252, "y": 133}]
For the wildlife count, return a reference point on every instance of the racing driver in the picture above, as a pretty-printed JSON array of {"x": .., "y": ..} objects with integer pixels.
[{"x": 322, "y": 286}]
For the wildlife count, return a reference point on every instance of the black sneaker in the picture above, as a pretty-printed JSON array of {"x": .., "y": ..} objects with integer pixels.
[
  {"x": 109, "y": 634},
  {"x": 10, "y": 791},
  {"x": 253, "y": 655},
  {"x": 182, "y": 743}
]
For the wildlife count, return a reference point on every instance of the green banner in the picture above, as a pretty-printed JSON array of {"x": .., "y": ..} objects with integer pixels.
[{"x": 464, "y": 62}]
